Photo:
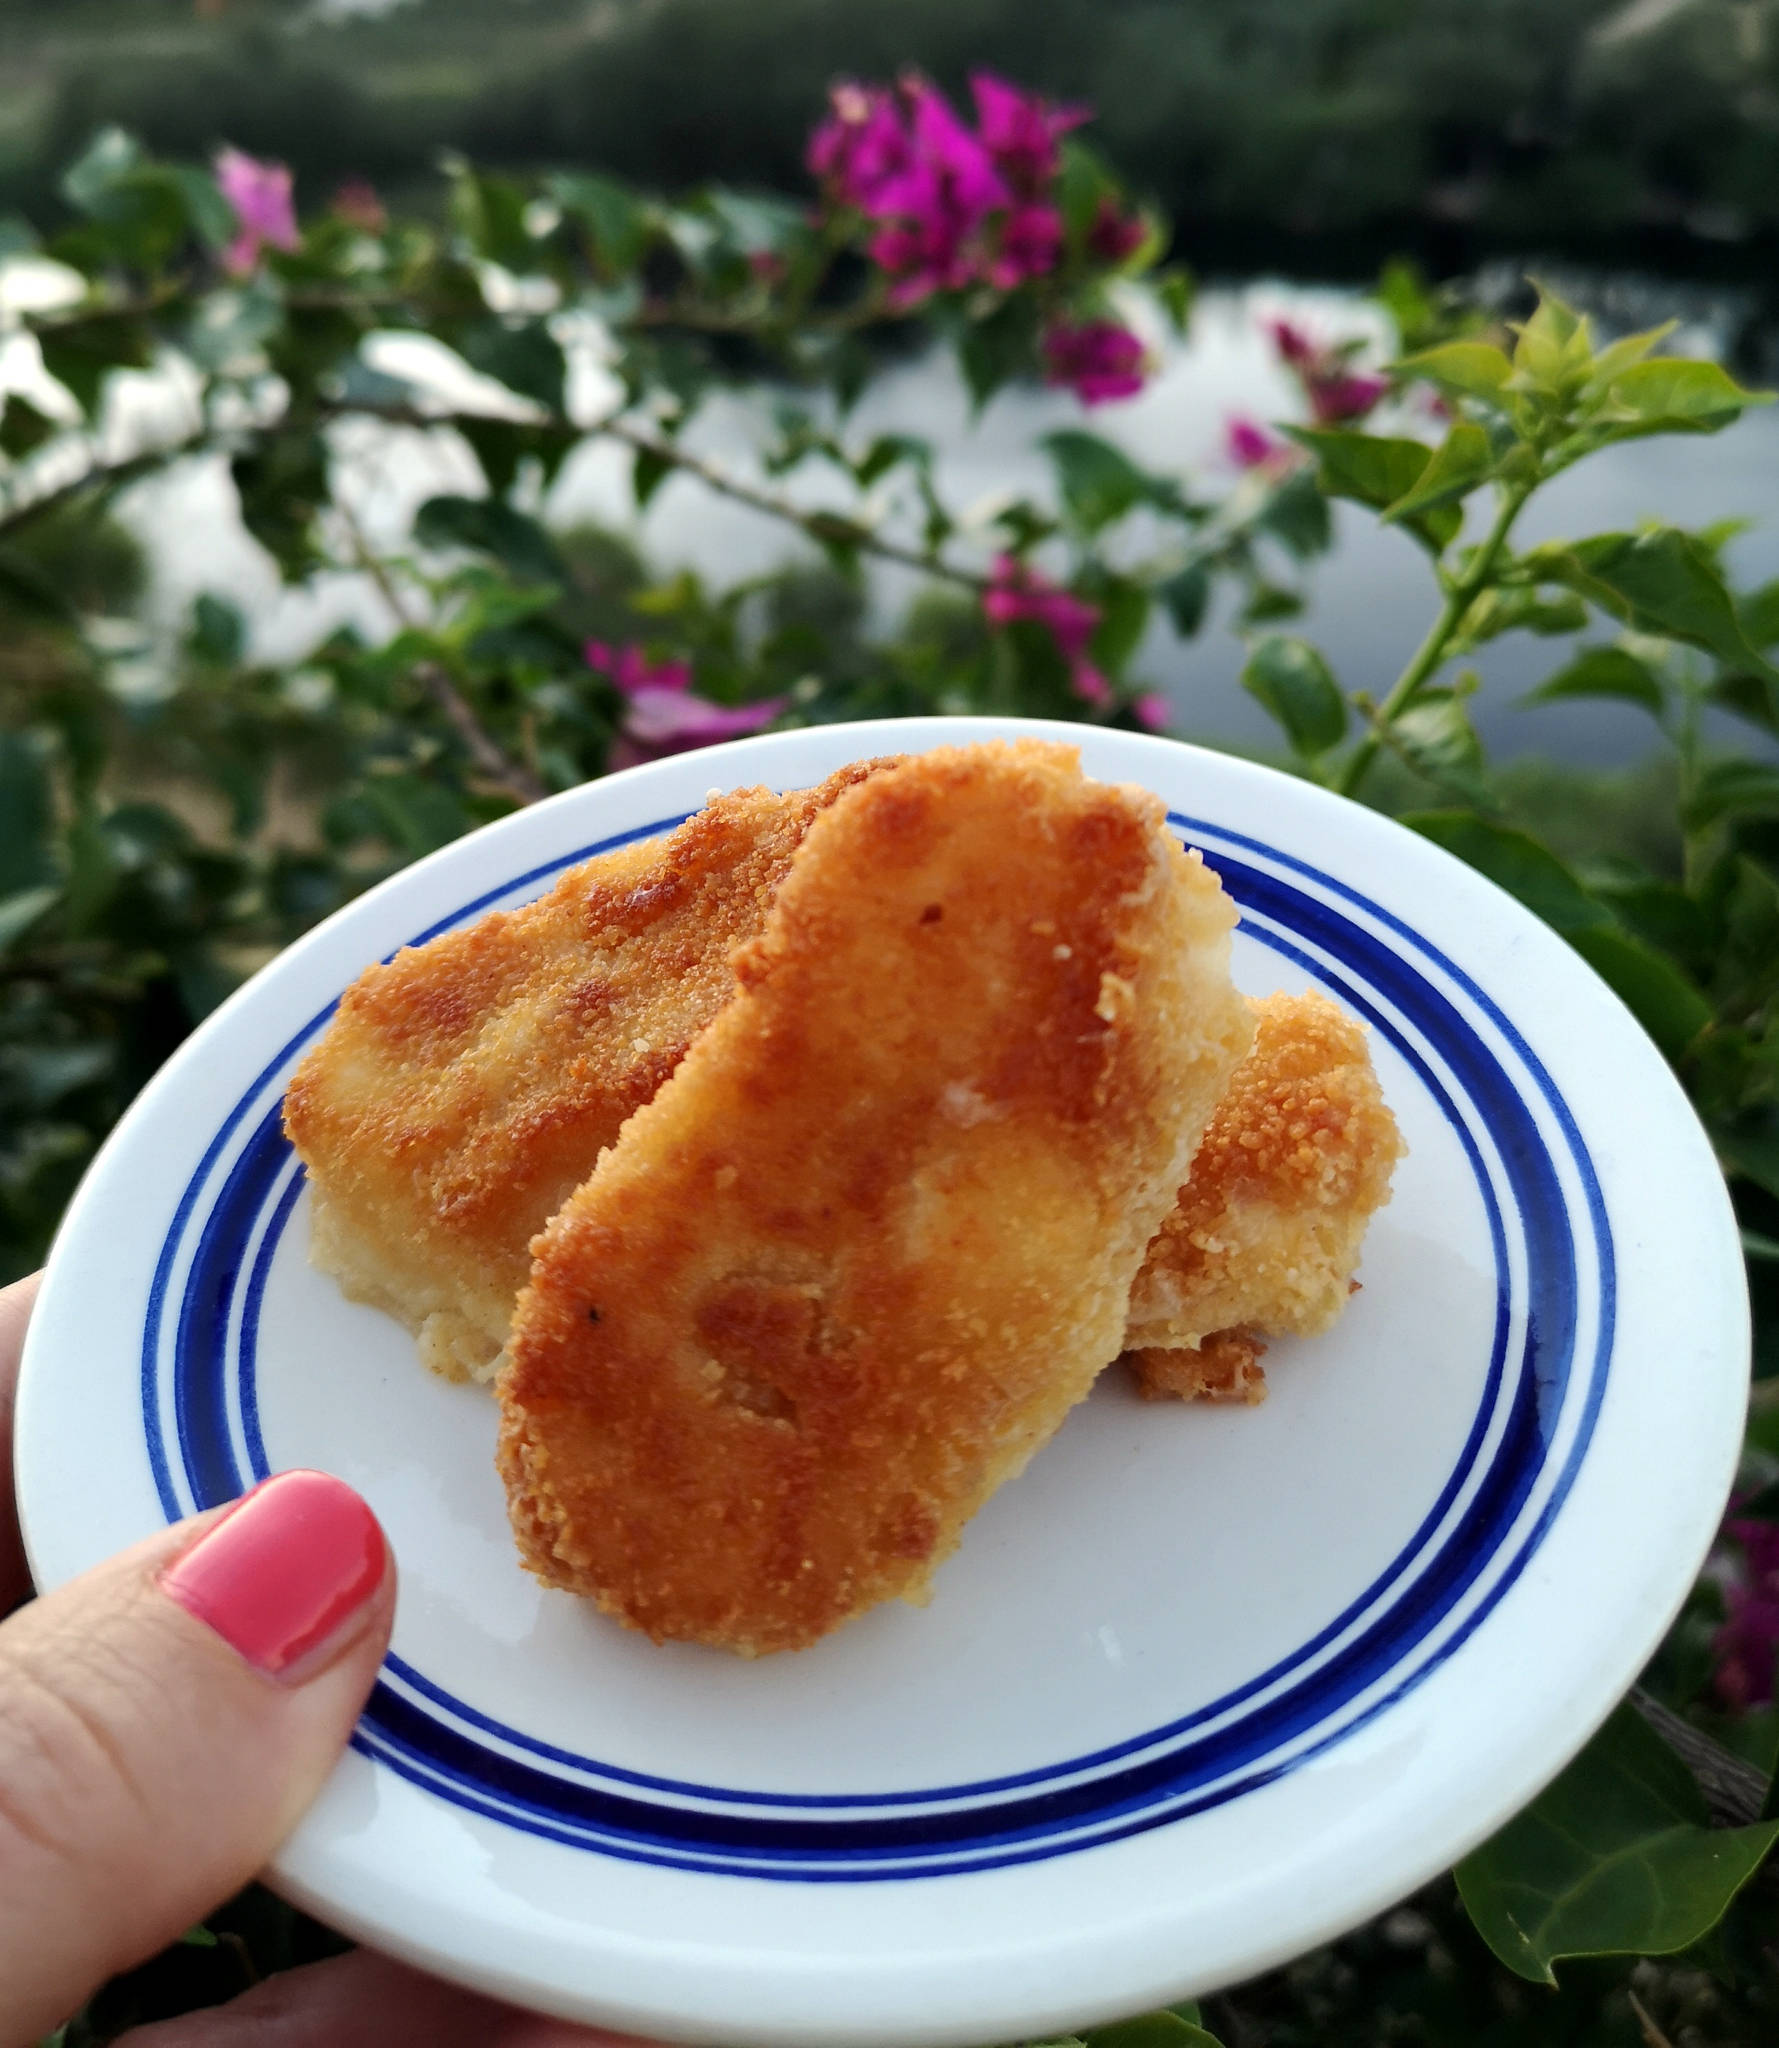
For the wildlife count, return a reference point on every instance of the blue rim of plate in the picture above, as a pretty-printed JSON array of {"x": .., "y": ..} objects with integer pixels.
[{"x": 1546, "y": 1378}]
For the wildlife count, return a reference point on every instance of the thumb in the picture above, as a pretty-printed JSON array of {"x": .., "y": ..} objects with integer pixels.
[{"x": 164, "y": 1721}]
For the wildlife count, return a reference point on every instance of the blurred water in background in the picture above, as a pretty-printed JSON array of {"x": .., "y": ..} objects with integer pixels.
[{"x": 1368, "y": 602}]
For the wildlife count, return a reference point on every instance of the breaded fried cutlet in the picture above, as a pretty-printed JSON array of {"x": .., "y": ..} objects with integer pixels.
[
  {"x": 857, "y": 1259},
  {"x": 1265, "y": 1236},
  {"x": 467, "y": 1086}
]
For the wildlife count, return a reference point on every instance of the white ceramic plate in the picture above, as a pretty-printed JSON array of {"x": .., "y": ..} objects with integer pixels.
[{"x": 1204, "y": 1687}]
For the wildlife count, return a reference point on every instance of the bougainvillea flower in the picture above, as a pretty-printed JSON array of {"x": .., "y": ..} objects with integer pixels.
[
  {"x": 663, "y": 714},
  {"x": 863, "y": 142},
  {"x": 1748, "y": 1642},
  {"x": 260, "y": 196},
  {"x": 1098, "y": 360},
  {"x": 1153, "y": 712},
  {"x": 1031, "y": 241},
  {"x": 1249, "y": 445},
  {"x": 935, "y": 207},
  {"x": 1337, "y": 393},
  {"x": 1114, "y": 235},
  {"x": 1020, "y": 130},
  {"x": 1017, "y": 591},
  {"x": 972, "y": 183},
  {"x": 1335, "y": 390},
  {"x": 356, "y": 203},
  {"x": 1295, "y": 344}
]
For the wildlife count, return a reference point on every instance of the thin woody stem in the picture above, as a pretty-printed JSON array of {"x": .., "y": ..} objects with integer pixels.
[
  {"x": 494, "y": 762},
  {"x": 1431, "y": 652}
]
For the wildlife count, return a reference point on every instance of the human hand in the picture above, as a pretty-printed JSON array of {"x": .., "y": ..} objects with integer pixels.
[{"x": 164, "y": 1721}]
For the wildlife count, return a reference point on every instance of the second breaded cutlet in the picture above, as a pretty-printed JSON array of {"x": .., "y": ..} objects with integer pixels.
[
  {"x": 1265, "y": 1236},
  {"x": 857, "y": 1259},
  {"x": 466, "y": 1087}
]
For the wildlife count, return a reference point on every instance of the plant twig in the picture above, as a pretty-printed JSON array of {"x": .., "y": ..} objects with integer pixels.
[
  {"x": 1734, "y": 1791},
  {"x": 484, "y": 750},
  {"x": 832, "y": 526},
  {"x": 819, "y": 525},
  {"x": 110, "y": 474},
  {"x": 1431, "y": 652}
]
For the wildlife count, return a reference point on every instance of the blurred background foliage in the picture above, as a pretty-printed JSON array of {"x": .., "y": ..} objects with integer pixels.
[{"x": 1318, "y": 134}]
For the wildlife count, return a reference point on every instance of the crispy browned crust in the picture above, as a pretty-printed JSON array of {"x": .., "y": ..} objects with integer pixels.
[
  {"x": 465, "y": 1087},
  {"x": 1225, "y": 1367},
  {"x": 864, "y": 1250},
  {"x": 1266, "y": 1234}
]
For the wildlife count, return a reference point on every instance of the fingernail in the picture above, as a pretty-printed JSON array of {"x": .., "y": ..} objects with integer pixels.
[{"x": 285, "y": 1571}]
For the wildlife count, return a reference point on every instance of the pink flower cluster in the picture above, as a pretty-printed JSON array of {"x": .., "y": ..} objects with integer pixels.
[
  {"x": 1017, "y": 591},
  {"x": 260, "y": 196},
  {"x": 1748, "y": 1641},
  {"x": 1098, "y": 360},
  {"x": 1336, "y": 391},
  {"x": 663, "y": 714},
  {"x": 953, "y": 206}
]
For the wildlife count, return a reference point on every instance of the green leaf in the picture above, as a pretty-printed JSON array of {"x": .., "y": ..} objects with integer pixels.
[
  {"x": 1267, "y": 602},
  {"x": 27, "y": 588},
  {"x": 1759, "y": 612},
  {"x": 1751, "y": 1148},
  {"x": 1124, "y": 613},
  {"x": 1153, "y": 2030},
  {"x": 993, "y": 351},
  {"x": 489, "y": 527},
  {"x": 648, "y": 472},
  {"x": 1173, "y": 287},
  {"x": 524, "y": 356},
  {"x": 1554, "y": 349},
  {"x": 1763, "y": 1250},
  {"x": 1378, "y": 470},
  {"x": 1604, "y": 672},
  {"x": 1666, "y": 1002},
  {"x": 1186, "y": 595},
  {"x": 1435, "y": 737},
  {"x": 1467, "y": 369},
  {"x": 1732, "y": 789},
  {"x": 1755, "y": 698},
  {"x": 616, "y": 225},
  {"x": 1460, "y": 462},
  {"x": 283, "y": 485},
  {"x": 22, "y": 426},
  {"x": 218, "y": 631},
  {"x": 1516, "y": 862},
  {"x": 1100, "y": 483},
  {"x": 1677, "y": 395},
  {"x": 1499, "y": 611},
  {"x": 80, "y": 353},
  {"x": 1296, "y": 513},
  {"x": 885, "y": 452},
  {"x": 1663, "y": 581},
  {"x": 1295, "y": 684},
  {"x": 18, "y": 913},
  {"x": 27, "y": 816},
  {"x": 110, "y": 156},
  {"x": 1614, "y": 1858},
  {"x": 1083, "y": 180}
]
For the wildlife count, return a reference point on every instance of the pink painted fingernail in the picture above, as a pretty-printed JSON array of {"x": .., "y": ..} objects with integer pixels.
[{"x": 285, "y": 1571}]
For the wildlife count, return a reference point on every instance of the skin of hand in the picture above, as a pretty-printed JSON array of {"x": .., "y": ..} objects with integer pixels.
[{"x": 164, "y": 1721}]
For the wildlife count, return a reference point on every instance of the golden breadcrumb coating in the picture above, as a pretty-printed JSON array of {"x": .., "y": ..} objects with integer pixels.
[
  {"x": 468, "y": 1085},
  {"x": 1266, "y": 1234},
  {"x": 1225, "y": 1367},
  {"x": 857, "y": 1259}
]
